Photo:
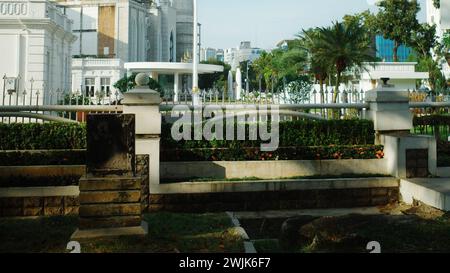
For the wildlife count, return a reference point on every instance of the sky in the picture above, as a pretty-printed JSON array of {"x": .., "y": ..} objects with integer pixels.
[{"x": 266, "y": 22}]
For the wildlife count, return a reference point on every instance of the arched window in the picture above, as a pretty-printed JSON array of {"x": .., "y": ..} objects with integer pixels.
[{"x": 171, "y": 48}]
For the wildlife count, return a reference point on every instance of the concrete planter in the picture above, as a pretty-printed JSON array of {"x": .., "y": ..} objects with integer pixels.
[{"x": 271, "y": 169}]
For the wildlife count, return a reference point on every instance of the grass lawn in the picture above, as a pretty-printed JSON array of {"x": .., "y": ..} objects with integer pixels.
[
  {"x": 168, "y": 233},
  {"x": 429, "y": 234}
]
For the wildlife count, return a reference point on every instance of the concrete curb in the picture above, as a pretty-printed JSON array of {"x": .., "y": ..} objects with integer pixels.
[{"x": 248, "y": 245}]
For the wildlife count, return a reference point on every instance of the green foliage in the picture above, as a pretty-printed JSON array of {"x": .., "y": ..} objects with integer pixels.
[
  {"x": 127, "y": 83},
  {"x": 437, "y": 4},
  {"x": 288, "y": 153},
  {"x": 397, "y": 21},
  {"x": 218, "y": 80},
  {"x": 433, "y": 120},
  {"x": 299, "y": 90},
  {"x": 40, "y": 158},
  {"x": 424, "y": 39},
  {"x": 37, "y": 136},
  {"x": 292, "y": 134},
  {"x": 49, "y": 181},
  {"x": 345, "y": 46}
]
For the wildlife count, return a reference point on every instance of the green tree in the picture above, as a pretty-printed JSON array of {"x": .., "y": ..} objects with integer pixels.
[
  {"x": 127, "y": 83},
  {"x": 218, "y": 80},
  {"x": 308, "y": 41},
  {"x": 424, "y": 39},
  {"x": 397, "y": 21},
  {"x": 344, "y": 46}
]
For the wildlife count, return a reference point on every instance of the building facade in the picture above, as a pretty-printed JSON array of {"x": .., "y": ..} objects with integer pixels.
[
  {"x": 185, "y": 28},
  {"x": 245, "y": 52},
  {"x": 163, "y": 32},
  {"x": 36, "y": 43},
  {"x": 385, "y": 50},
  {"x": 109, "y": 32}
]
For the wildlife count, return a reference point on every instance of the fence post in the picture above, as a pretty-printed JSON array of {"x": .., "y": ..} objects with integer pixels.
[{"x": 144, "y": 103}]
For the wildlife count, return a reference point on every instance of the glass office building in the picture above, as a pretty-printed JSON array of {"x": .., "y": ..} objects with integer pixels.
[{"x": 385, "y": 49}]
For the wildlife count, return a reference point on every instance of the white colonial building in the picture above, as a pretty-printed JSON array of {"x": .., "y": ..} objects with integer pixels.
[{"x": 35, "y": 43}]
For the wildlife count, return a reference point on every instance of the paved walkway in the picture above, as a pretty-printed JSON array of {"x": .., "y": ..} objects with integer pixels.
[
  {"x": 313, "y": 212},
  {"x": 434, "y": 192}
]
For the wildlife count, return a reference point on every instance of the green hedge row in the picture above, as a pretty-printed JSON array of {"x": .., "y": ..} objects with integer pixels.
[
  {"x": 51, "y": 181},
  {"x": 287, "y": 153},
  {"x": 292, "y": 134},
  {"x": 36, "y": 136},
  {"x": 433, "y": 120},
  {"x": 38, "y": 158}
]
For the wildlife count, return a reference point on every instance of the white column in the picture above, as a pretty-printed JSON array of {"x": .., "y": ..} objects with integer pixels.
[
  {"x": 176, "y": 87},
  {"x": 195, "y": 89}
]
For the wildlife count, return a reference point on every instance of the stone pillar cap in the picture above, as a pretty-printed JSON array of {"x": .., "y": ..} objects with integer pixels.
[{"x": 142, "y": 94}]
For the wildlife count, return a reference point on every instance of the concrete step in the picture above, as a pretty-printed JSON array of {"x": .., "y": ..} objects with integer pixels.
[
  {"x": 434, "y": 192},
  {"x": 100, "y": 197},
  {"x": 106, "y": 210},
  {"x": 109, "y": 184},
  {"x": 109, "y": 222}
]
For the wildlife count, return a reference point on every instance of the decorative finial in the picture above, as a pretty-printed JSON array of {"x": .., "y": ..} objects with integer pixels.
[{"x": 142, "y": 79}]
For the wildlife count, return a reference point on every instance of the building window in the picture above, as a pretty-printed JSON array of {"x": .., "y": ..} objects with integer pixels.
[
  {"x": 171, "y": 49},
  {"x": 105, "y": 85},
  {"x": 89, "y": 87}
]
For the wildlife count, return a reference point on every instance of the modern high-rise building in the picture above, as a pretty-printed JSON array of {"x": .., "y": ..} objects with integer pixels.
[
  {"x": 245, "y": 52},
  {"x": 385, "y": 50},
  {"x": 220, "y": 55},
  {"x": 185, "y": 28},
  {"x": 163, "y": 32}
]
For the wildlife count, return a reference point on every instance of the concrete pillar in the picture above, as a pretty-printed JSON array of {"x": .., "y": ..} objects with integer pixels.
[
  {"x": 144, "y": 103},
  {"x": 389, "y": 111},
  {"x": 176, "y": 87},
  {"x": 393, "y": 121}
]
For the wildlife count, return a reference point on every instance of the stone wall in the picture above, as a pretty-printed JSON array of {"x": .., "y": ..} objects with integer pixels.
[
  {"x": 259, "y": 201},
  {"x": 39, "y": 206},
  {"x": 142, "y": 167}
]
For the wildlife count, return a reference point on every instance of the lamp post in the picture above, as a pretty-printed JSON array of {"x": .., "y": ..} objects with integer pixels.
[{"x": 195, "y": 95}]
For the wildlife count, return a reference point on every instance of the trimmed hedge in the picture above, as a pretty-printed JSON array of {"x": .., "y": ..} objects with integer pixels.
[
  {"x": 26, "y": 181},
  {"x": 286, "y": 153},
  {"x": 41, "y": 136},
  {"x": 433, "y": 120},
  {"x": 292, "y": 134},
  {"x": 38, "y": 158}
]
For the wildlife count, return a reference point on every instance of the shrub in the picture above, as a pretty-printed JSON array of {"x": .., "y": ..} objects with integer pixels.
[
  {"x": 285, "y": 153},
  {"x": 292, "y": 134},
  {"x": 38, "y": 158},
  {"x": 433, "y": 120},
  {"x": 37, "y": 136},
  {"x": 50, "y": 181}
]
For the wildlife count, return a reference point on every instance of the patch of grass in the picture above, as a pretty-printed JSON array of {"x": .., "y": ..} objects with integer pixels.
[
  {"x": 210, "y": 179},
  {"x": 168, "y": 232},
  {"x": 267, "y": 246}
]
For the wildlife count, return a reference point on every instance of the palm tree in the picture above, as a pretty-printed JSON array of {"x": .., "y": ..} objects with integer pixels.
[
  {"x": 344, "y": 46},
  {"x": 319, "y": 69}
]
